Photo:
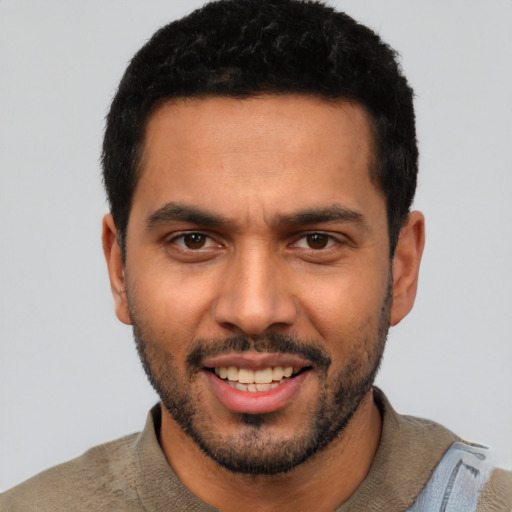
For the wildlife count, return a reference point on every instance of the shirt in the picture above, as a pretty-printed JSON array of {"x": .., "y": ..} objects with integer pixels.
[{"x": 132, "y": 474}]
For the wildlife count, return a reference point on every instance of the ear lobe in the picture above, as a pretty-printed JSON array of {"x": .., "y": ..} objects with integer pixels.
[
  {"x": 406, "y": 265},
  {"x": 115, "y": 268}
]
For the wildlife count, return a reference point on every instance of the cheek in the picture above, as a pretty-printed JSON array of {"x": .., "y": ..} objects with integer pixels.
[
  {"x": 169, "y": 305},
  {"x": 345, "y": 312}
]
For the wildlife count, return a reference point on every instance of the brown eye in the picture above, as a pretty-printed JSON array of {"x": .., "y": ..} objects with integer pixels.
[
  {"x": 194, "y": 241},
  {"x": 317, "y": 241}
]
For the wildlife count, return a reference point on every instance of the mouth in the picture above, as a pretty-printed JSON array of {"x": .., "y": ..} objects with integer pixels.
[{"x": 256, "y": 383}]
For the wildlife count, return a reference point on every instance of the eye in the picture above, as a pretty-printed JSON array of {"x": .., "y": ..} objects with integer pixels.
[
  {"x": 193, "y": 241},
  {"x": 315, "y": 241}
]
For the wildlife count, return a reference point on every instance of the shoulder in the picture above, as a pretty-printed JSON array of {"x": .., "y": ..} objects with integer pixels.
[
  {"x": 496, "y": 495},
  {"x": 416, "y": 455},
  {"x": 100, "y": 479},
  {"x": 130, "y": 475}
]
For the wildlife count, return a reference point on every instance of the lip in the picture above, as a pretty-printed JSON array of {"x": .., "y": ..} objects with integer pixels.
[
  {"x": 259, "y": 402},
  {"x": 255, "y": 360}
]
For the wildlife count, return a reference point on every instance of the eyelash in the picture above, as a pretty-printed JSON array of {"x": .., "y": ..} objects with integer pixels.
[
  {"x": 183, "y": 235},
  {"x": 330, "y": 240}
]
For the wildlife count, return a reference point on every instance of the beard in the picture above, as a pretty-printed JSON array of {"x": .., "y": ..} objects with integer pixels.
[{"x": 255, "y": 449}]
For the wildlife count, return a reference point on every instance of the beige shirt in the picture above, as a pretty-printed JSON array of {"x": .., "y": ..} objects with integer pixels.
[{"x": 132, "y": 474}]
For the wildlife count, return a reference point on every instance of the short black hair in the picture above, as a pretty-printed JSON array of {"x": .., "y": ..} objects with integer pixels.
[{"x": 244, "y": 48}]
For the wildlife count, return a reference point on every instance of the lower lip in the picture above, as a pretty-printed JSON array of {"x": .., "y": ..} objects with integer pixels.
[{"x": 257, "y": 402}]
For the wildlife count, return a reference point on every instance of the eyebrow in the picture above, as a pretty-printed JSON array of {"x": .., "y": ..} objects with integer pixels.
[
  {"x": 173, "y": 212},
  {"x": 176, "y": 212},
  {"x": 335, "y": 213}
]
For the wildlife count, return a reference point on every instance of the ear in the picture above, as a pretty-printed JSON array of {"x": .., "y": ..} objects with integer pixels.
[
  {"x": 406, "y": 266},
  {"x": 115, "y": 268}
]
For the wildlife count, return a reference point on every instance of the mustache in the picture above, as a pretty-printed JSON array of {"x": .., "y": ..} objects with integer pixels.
[{"x": 276, "y": 343}]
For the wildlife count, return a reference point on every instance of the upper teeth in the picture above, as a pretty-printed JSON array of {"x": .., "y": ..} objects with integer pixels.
[{"x": 248, "y": 376}]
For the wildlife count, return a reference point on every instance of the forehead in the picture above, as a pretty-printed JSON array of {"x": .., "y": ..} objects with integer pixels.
[{"x": 260, "y": 153}]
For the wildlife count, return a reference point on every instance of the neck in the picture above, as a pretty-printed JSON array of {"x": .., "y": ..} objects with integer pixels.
[{"x": 322, "y": 483}]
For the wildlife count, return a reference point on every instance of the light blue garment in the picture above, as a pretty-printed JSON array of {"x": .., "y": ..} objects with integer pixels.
[{"x": 457, "y": 480}]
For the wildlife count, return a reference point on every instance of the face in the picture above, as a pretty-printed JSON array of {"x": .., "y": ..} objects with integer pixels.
[{"x": 257, "y": 274}]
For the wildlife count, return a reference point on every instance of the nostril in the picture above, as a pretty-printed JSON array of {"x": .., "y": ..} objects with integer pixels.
[{"x": 253, "y": 319}]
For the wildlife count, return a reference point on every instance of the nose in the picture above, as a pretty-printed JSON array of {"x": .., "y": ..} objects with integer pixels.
[{"x": 255, "y": 296}]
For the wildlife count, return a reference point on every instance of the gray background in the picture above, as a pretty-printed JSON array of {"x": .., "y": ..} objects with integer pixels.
[{"x": 69, "y": 374}]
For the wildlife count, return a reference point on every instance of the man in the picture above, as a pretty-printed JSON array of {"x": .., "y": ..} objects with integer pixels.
[{"x": 260, "y": 162}]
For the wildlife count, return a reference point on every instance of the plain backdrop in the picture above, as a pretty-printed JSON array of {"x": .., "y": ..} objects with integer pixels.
[{"x": 69, "y": 373}]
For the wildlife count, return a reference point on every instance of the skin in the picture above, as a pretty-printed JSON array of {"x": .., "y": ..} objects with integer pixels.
[{"x": 269, "y": 159}]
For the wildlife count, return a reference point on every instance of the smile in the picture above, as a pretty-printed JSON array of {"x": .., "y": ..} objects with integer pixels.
[
  {"x": 246, "y": 379},
  {"x": 256, "y": 383}
]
